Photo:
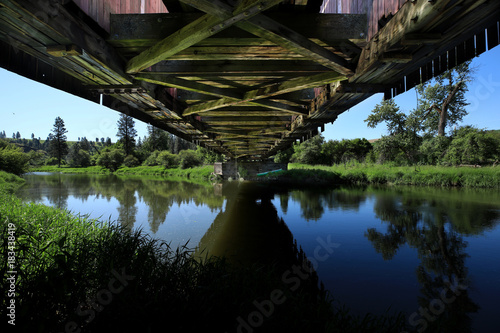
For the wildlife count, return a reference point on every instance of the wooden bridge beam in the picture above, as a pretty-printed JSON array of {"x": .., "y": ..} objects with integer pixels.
[
  {"x": 268, "y": 91},
  {"x": 263, "y": 26},
  {"x": 193, "y": 33}
]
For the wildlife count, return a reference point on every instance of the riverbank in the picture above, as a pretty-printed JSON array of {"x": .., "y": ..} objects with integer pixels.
[
  {"x": 74, "y": 273},
  {"x": 199, "y": 173},
  {"x": 375, "y": 174},
  {"x": 358, "y": 174}
]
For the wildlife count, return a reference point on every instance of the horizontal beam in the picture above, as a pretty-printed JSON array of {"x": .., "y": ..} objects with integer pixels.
[
  {"x": 243, "y": 67},
  {"x": 269, "y": 91},
  {"x": 264, "y": 27},
  {"x": 175, "y": 82},
  {"x": 189, "y": 35},
  {"x": 148, "y": 29},
  {"x": 228, "y": 94}
]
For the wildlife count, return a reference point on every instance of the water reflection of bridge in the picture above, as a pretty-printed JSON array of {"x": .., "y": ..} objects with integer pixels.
[{"x": 246, "y": 80}]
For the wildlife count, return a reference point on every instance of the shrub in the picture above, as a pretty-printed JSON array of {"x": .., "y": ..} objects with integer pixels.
[
  {"x": 433, "y": 150},
  {"x": 13, "y": 159},
  {"x": 111, "y": 159},
  {"x": 471, "y": 146},
  {"x": 152, "y": 159},
  {"x": 190, "y": 159},
  {"x": 79, "y": 157},
  {"x": 167, "y": 159},
  {"x": 131, "y": 161}
]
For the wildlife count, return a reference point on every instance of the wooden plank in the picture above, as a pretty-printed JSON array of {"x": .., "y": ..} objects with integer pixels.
[
  {"x": 178, "y": 41},
  {"x": 493, "y": 36},
  {"x": 265, "y": 27},
  {"x": 257, "y": 67},
  {"x": 191, "y": 34},
  {"x": 131, "y": 29},
  {"x": 174, "y": 82},
  {"x": 275, "y": 32},
  {"x": 481, "y": 43},
  {"x": 452, "y": 58},
  {"x": 230, "y": 94},
  {"x": 470, "y": 48},
  {"x": 268, "y": 91}
]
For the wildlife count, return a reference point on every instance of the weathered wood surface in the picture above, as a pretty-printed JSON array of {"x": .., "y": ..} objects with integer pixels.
[{"x": 100, "y": 10}]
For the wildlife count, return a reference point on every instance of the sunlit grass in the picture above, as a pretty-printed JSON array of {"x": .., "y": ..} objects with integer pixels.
[
  {"x": 201, "y": 172},
  {"x": 487, "y": 177}
]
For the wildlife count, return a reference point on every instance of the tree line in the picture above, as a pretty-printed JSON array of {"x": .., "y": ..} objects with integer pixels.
[
  {"x": 415, "y": 137},
  {"x": 157, "y": 148}
]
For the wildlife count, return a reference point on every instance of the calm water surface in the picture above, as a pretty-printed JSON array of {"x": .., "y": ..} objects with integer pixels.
[{"x": 431, "y": 253}]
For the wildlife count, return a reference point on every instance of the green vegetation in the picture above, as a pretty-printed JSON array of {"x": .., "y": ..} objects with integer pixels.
[
  {"x": 357, "y": 173},
  {"x": 96, "y": 276},
  {"x": 200, "y": 172},
  {"x": 13, "y": 159}
]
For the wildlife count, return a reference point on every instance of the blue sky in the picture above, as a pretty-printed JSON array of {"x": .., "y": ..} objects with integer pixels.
[{"x": 30, "y": 107}]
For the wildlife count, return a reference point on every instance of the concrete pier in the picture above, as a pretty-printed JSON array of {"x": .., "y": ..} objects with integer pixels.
[{"x": 244, "y": 169}]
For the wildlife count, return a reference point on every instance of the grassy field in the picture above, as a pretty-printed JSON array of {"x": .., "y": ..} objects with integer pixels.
[
  {"x": 485, "y": 177},
  {"x": 78, "y": 273}
]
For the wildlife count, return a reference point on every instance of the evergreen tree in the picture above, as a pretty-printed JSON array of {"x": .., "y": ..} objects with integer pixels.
[
  {"x": 158, "y": 139},
  {"x": 127, "y": 133},
  {"x": 58, "y": 147},
  {"x": 85, "y": 144},
  {"x": 18, "y": 135}
]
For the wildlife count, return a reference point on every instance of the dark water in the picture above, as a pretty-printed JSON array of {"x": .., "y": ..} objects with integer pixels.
[{"x": 431, "y": 253}]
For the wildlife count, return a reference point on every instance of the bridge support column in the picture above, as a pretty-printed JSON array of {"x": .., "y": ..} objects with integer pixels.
[{"x": 246, "y": 169}]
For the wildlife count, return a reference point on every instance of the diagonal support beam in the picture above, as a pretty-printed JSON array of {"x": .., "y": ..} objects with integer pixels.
[
  {"x": 229, "y": 94},
  {"x": 195, "y": 32},
  {"x": 267, "y": 28},
  {"x": 175, "y": 82},
  {"x": 268, "y": 91}
]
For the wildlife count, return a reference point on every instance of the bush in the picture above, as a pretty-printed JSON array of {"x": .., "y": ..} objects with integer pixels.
[
  {"x": 111, "y": 160},
  {"x": 79, "y": 157},
  {"x": 52, "y": 161},
  {"x": 167, "y": 159},
  {"x": 131, "y": 161},
  {"x": 152, "y": 159},
  {"x": 13, "y": 159},
  {"x": 471, "y": 146},
  {"x": 37, "y": 158},
  {"x": 433, "y": 150},
  {"x": 283, "y": 156},
  {"x": 190, "y": 159},
  {"x": 309, "y": 152}
]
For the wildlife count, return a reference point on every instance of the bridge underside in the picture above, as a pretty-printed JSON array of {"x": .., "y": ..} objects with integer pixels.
[{"x": 244, "y": 78}]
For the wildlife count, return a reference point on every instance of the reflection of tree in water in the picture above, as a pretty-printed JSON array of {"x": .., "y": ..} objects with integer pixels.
[
  {"x": 313, "y": 202},
  {"x": 160, "y": 195},
  {"x": 127, "y": 210},
  {"x": 430, "y": 228}
]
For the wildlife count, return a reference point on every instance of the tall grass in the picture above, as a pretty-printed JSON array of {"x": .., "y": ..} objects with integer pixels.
[
  {"x": 200, "y": 173},
  {"x": 486, "y": 177},
  {"x": 80, "y": 273}
]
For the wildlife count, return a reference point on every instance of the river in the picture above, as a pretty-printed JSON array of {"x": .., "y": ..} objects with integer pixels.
[{"x": 431, "y": 253}]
